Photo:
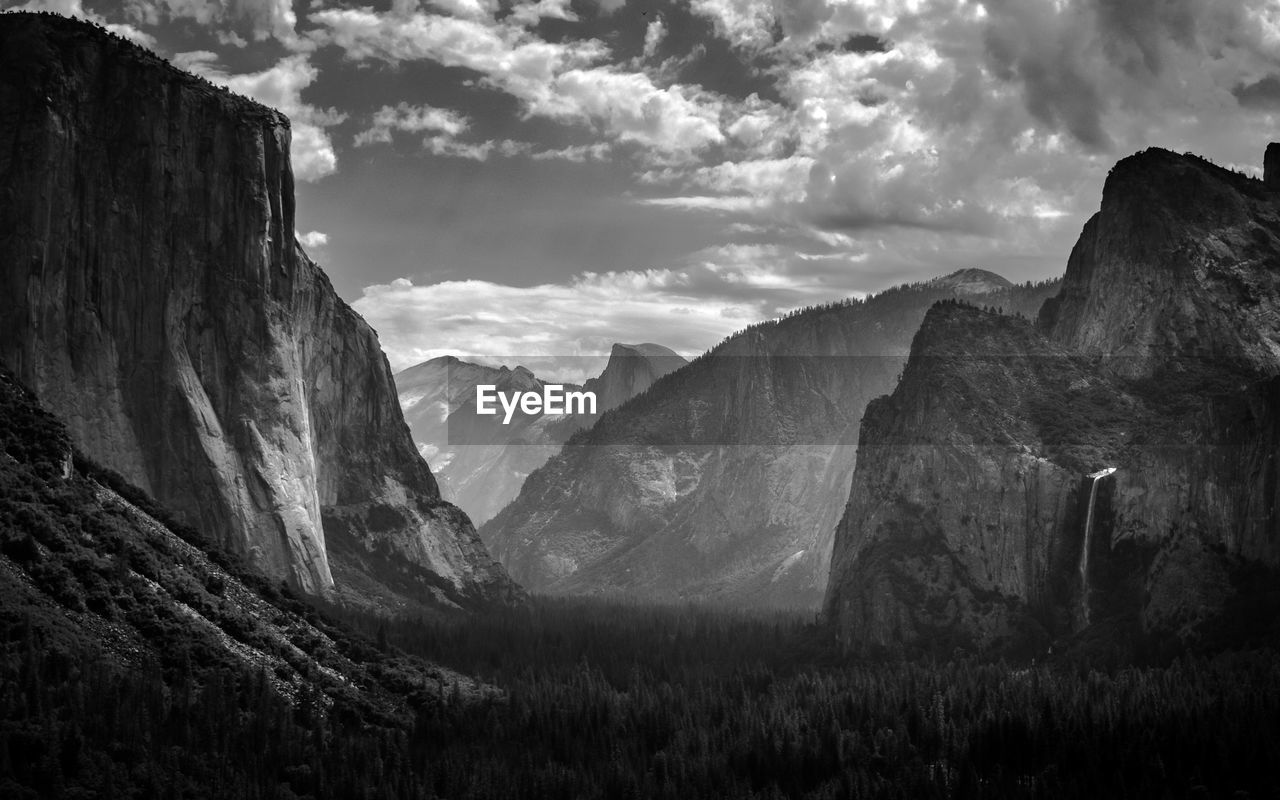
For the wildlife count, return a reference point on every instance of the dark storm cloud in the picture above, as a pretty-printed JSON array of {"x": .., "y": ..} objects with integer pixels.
[
  {"x": 865, "y": 43},
  {"x": 1263, "y": 94},
  {"x": 1046, "y": 54},
  {"x": 1079, "y": 61}
]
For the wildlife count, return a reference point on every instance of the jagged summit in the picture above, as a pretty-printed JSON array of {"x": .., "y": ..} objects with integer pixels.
[
  {"x": 973, "y": 281},
  {"x": 1179, "y": 262}
]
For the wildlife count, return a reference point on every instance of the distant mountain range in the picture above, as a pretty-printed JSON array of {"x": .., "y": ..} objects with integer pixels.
[
  {"x": 481, "y": 462},
  {"x": 724, "y": 481}
]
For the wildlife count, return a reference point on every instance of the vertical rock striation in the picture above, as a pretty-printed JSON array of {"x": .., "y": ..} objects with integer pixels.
[{"x": 154, "y": 296}]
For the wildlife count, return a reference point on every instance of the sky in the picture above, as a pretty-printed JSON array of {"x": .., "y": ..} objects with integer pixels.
[{"x": 510, "y": 180}]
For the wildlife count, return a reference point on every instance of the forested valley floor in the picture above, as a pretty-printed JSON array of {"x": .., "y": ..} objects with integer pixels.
[{"x": 607, "y": 700}]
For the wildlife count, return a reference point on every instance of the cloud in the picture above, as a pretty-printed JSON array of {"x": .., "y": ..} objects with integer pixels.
[
  {"x": 1263, "y": 93},
  {"x": 564, "y": 80},
  {"x": 312, "y": 239},
  {"x": 260, "y": 19},
  {"x": 75, "y": 8},
  {"x": 744, "y": 23},
  {"x": 480, "y": 319},
  {"x": 676, "y": 121},
  {"x": 281, "y": 87},
  {"x": 527, "y": 13},
  {"x": 467, "y": 9},
  {"x": 411, "y": 119},
  {"x": 654, "y": 33},
  {"x": 690, "y": 307}
]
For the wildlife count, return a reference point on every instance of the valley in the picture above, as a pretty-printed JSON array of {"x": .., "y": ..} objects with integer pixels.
[{"x": 956, "y": 537}]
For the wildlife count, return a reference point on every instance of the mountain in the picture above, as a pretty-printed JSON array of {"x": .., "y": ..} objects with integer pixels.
[
  {"x": 632, "y": 369},
  {"x": 91, "y": 566},
  {"x": 973, "y": 282},
  {"x": 724, "y": 481},
  {"x": 1108, "y": 473},
  {"x": 153, "y": 295},
  {"x": 480, "y": 462}
]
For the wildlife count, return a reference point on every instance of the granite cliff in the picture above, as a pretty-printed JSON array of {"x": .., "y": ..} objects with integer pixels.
[
  {"x": 153, "y": 295},
  {"x": 92, "y": 566},
  {"x": 724, "y": 481},
  {"x": 1109, "y": 472},
  {"x": 631, "y": 370}
]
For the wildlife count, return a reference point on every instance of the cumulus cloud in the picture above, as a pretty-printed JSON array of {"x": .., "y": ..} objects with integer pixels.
[
  {"x": 75, "y": 8},
  {"x": 715, "y": 292},
  {"x": 654, "y": 33},
  {"x": 565, "y": 80},
  {"x": 312, "y": 239},
  {"x": 744, "y": 23},
  {"x": 989, "y": 119},
  {"x": 260, "y": 19},
  {"x": 281, "y": 87},
  {"x": 411, "y": 119},
  {"x": 527, "y": 13}
]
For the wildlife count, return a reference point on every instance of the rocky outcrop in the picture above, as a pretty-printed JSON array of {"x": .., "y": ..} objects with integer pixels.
[
  {"x": 1195, "y": 244},
  {"x": 632, "y": 369},
  {"x": 154, "y": 296},
  {"x": 481, "y": 462},
  {"x": 725, "y": 480},
  {"x": 970, "y": 504},
  {"x": 973, "y": 282}
]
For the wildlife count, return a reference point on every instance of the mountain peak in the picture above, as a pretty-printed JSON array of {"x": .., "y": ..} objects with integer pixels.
[
  {"x": 1178, "y": 261},
  {"x": 973, "y": 281},
  {"x": 644, "y": 349},
  {"x": 632, "y": 369}
]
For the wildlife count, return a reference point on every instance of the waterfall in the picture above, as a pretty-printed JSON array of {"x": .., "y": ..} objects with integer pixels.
[{"x": 1088, "y": 539}]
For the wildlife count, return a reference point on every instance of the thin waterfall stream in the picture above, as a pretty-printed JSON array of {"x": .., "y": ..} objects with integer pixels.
[{"x": 1088, "y": 540}]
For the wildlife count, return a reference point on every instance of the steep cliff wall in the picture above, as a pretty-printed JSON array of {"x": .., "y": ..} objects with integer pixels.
[
  {"x": 1196, "y": 244},
  {"x": 152, "y": 293},
  {"x": 725, "y": 481},
  {"x": 969, "y": 508}
]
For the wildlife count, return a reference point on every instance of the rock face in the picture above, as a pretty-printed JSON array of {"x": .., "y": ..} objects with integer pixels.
[
  {"x": 480, "y": 462},
  {"x": 106, "y": 570},
  {"x": 153, "y": 294},
  {"x": 969, "y": 518},
  {"x": 725, "y": 480},
  {"x": 632, "y": 369},
  {"x": 973, "y": 282}
]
